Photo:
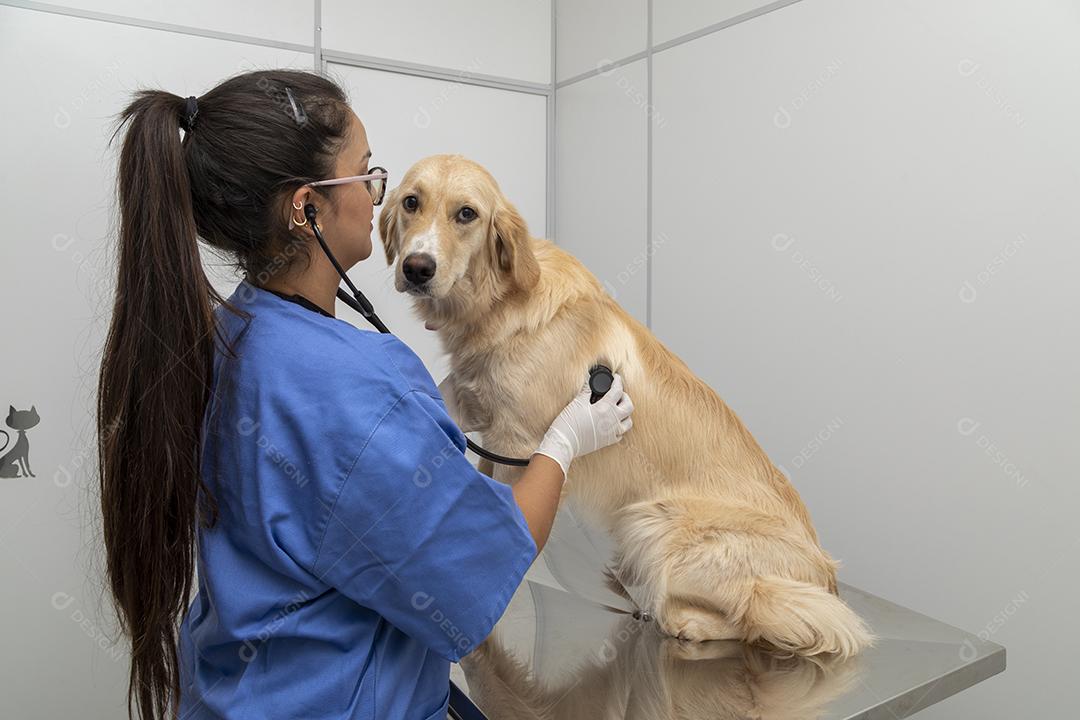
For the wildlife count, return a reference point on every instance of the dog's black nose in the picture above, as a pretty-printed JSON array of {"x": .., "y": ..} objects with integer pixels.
[{"x": 418, "y": 268}]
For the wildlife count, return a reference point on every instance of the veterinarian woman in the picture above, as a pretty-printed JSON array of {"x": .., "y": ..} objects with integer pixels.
[{"x": 347, "y": 551}]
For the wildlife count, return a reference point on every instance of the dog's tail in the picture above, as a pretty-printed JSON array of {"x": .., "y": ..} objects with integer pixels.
[
  {"x": 803, "y": 619},
  {"x": 713, "y": 569}
]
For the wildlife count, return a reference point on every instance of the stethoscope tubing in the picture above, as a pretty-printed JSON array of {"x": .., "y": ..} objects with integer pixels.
[{"x": 362, "y": 305}]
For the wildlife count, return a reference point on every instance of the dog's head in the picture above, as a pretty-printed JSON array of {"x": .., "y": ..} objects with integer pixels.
[{"x": 452, "y": 232}]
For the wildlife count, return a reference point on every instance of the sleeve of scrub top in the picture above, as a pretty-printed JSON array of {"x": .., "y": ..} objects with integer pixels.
[{"x": 421, "y": 536}]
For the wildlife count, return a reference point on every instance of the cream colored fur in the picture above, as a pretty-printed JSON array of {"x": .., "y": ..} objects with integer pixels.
[{"x": 714, "y": 541}]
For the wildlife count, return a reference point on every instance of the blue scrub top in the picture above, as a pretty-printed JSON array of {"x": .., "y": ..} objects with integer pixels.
[{"x": 357, "y": 552}]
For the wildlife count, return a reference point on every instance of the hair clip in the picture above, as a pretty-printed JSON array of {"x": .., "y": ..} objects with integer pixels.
[{"x": 297, "y": 109}]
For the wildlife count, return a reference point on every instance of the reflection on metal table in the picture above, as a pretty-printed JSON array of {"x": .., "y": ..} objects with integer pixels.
[{"x": 569, "y": 647}]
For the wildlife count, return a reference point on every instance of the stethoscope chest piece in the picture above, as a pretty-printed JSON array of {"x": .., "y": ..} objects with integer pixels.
[{"x": 600, "y": 379}]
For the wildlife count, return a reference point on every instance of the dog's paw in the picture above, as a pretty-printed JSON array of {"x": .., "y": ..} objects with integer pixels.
[{"x": 697, "y": 625}]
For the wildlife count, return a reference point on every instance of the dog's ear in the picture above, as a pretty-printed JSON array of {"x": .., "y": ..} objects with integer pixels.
[
  {"x": 511, "y": 247},
  {"x": 388, "y": 226}
]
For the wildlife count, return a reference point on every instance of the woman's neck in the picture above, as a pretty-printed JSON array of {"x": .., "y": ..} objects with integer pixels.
[{"x": 317, "y": 285}]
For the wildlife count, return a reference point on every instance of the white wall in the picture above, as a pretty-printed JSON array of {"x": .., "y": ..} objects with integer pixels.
[
  {"x": 601, "y": 181},
  {"x": 864, "y": 238},
  {"x": 511, "y": 38},
  {"x": 601, "y": 149},
  {"x": 65, "y": 77}
]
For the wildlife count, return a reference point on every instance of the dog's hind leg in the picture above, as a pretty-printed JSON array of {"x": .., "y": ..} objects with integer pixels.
[
  {"x": 675, "y": 559},
  {"x": 712, "y": 570}
]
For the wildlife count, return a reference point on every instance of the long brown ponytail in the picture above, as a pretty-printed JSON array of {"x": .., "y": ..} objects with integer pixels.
[{"x": 226, "y": 182}]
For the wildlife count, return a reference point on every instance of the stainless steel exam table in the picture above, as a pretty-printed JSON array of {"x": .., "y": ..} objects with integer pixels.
[{"x": 579, "y": 640}]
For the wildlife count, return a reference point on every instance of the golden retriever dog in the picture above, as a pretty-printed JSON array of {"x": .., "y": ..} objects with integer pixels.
[{"x": 712, "y": 539}]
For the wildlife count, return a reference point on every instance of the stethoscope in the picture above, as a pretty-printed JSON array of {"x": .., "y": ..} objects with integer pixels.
[{"x": 600, "y": 376}]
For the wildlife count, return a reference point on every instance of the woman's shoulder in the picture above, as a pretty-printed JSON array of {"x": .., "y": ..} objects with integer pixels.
[
  {"x": 338, "y": 354},
  {"x": 293, "y": 345},
  {"x": 407, "y": 364}
]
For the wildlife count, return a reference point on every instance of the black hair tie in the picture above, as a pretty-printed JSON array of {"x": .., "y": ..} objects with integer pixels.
[{"x": 191, "y": 111}]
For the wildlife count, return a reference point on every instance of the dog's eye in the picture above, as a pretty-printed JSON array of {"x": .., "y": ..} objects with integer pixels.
[
  {"x": 410, "y": 203},
  {"x": 466, "y": 214}
]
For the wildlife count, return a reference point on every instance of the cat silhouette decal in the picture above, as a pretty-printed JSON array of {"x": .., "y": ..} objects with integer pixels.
[{"x": 18, "y": 458}]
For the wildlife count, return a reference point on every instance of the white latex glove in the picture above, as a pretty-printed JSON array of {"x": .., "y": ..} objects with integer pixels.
[{"x": 583, "y": 427}]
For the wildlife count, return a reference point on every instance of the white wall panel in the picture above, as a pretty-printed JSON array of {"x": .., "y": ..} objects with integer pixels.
[
  {"x": 65, "y": 78},
  {"x": 601, "y": 179},
  {"x": 674, "y": 18},
  {"x": 872, "y": 253},
  {"x": 283, "y": 20},
  {"x": 591, "y": 34},
  {"x": 408, "y": 118},
  {"x": 506, "y": 38}
]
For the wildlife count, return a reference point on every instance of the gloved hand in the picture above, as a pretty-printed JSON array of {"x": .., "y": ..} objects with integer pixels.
[{"x": 583, "y": 427}]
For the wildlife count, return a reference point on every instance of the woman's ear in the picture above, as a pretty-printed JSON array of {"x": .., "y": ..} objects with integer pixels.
[
  {"x": 388, "y": 226},
  {"x": 511, "y": 247}
]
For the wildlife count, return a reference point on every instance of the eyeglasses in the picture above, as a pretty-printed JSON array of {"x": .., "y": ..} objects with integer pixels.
[{"x": 375, "y": 181}]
